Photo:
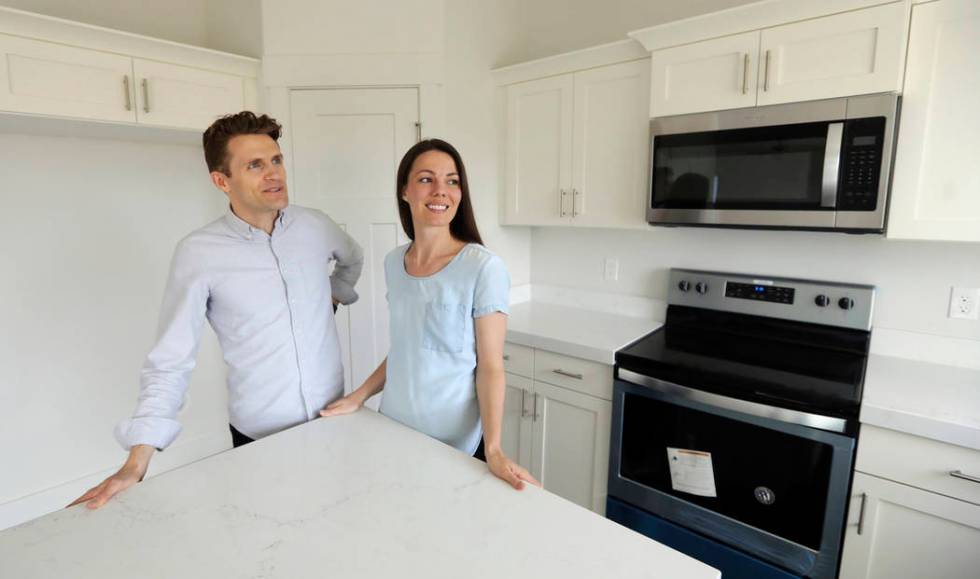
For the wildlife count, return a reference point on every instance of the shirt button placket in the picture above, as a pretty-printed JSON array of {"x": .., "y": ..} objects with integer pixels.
[{"x": 288, "y": 274}]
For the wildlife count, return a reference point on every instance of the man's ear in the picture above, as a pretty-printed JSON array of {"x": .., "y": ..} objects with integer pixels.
[{"x": 220, "y": 180}]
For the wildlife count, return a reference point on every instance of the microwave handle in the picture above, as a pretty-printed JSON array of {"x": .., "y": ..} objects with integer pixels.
[{"x": 831, "y": 164}]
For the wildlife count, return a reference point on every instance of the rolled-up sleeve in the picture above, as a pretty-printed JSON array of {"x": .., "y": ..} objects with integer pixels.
[
  {"x": 167, "y": 369},
  {"x": 349, "y": 260},
  {"x": 492, "y": 291}
]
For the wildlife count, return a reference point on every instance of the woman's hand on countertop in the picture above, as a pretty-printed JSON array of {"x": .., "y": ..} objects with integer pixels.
[
  {"x": 509, "y": 471},
  {"x": 345, "y": 405}
]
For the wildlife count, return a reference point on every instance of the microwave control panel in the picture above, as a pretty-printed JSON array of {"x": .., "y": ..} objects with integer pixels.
[{"x": 860, "y": 172}]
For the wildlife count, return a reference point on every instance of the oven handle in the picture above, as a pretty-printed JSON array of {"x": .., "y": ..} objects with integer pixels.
[
  {"x": 831, "y": 164},
  {"x": 786, "y": 415}
]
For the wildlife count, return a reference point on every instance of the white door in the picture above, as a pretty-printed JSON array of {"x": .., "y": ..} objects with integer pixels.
[
  {"x": 570, "y": 450},
  {"x": 53, "y": 79},
  {"x": 705, "y": 76},
  {"x": 846, "y": 54},
  {"x": 901, "y": 532},
  {"x": 346, "y": 145},
  {"x": 609, "y": 169},
  {"x": 516, "y": 427},
  {"x": 180, "y": 96},
  {"x": 539, "y": 152},
  {"x": 936, "y": 191}
]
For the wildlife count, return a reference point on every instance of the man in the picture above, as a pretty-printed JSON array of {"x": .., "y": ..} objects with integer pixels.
[{"x": 260, "y": 275}]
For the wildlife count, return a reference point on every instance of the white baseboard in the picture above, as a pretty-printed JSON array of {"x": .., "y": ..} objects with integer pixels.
[{"x": 38, "y": 504}]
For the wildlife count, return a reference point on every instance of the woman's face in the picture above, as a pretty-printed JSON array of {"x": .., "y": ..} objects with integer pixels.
[{"x": 432, "y": 191}]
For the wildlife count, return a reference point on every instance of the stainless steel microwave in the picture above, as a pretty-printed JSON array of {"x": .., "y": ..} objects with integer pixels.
[{"x": 818, "y": 165}]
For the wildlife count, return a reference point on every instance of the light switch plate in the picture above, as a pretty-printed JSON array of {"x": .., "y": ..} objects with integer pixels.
[
  {"x": 963, "y": 303},
  {"x": 610, "y": 269}
]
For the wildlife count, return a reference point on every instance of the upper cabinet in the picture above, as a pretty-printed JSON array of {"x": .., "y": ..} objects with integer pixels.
[
  {"x": 845, "y": 54},
  {"x": 57, "y": 68},
  {"x": 576, "y": 147},
  {"x": 935, "y": 190}
]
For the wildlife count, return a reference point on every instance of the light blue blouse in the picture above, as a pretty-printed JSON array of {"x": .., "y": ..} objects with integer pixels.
[{"x": 430, "y": 380}]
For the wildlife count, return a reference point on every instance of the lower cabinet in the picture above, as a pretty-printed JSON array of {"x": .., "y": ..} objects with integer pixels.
[
  {"x": 898, "y": 531},
  {"x": 560, "y": 434}
]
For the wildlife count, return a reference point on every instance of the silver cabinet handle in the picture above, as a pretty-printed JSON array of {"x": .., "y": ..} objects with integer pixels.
[
  {"x": 506, "y": 357},
  {"x": 146, "y": 95},
  {"x": 575, "y": 194},
  {"x": 765, "y": 82},
  {"x": 568, "y": 374},
  {"x": 745, "y": 74},
  {"x": 129, "y": 98},
  {"x": 561, "y": 202},
  {"x": 860, "y": 525},
  {"x": 535, "y": 415},
  {"x": 523, "y": 405},
  {"x": 964, "y": 476},
  {"x": 418, "y": 132}
]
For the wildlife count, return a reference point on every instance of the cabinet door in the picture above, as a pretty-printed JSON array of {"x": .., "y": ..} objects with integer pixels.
[
  {"x": 516, "y": 431},
  {"x": 570, "y": 451},
  {"x": 908, "y": 533},
  {"x": 935, "y": 189},
  {"x": 609, "y": 167},
  {"x": 539, "y": 152},
  {"x": 180, "y": 96},
  {"x": 846, "y": 54},
  {"x": 53, "y": 79},
  {"x": 705, "y": 76}
]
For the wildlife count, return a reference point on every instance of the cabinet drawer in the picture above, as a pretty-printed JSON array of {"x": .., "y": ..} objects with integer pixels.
[
  {"x": 519, "y": 360},
  {"x": 583, "y": 376},
  {"x": 919, "y": 462}
]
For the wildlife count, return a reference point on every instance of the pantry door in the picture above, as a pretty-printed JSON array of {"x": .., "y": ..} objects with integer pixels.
[{"x": 346, "y": 145}]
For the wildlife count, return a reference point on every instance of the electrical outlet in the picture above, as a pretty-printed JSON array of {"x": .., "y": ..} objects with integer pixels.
[
  {"x": 610, "y": 269},
  {"x": 963, "y": 302}
]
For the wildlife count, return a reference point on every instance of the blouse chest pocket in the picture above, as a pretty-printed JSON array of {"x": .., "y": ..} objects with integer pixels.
[{"x": 445, "y": 324}]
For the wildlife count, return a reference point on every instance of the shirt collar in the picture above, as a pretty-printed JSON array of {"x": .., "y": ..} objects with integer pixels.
[{"x": 243, "y": 229}]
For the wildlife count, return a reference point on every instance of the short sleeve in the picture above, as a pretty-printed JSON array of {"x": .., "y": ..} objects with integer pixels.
[{"x": 492, "y": 292}]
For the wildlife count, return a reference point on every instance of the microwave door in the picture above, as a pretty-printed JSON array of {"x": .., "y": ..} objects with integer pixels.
[{"x": 831, "y": 165}]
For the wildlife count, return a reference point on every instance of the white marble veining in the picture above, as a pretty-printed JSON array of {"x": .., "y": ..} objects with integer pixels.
[
  {"x": 573, "y": 331},
  {"x": 930, "y": 400},
  {"x": 353, "y": 496}
]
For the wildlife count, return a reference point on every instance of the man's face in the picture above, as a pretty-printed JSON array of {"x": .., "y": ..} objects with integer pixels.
[{"x": 256, "y": 183}]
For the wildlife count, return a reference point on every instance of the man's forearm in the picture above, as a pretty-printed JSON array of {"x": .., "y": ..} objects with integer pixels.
[{"x": 139, "y": 459}]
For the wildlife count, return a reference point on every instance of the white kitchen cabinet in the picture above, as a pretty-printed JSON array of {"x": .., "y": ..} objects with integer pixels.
[
  {"x": 180, "y": 96},
  {"x": 857, "y": 52},
  {"x": 570, "y": 452},
  {"x": 935, "y": 189},
  {"x": 705, "y": 76},
  {"x": 558, "y": 424},
  {"x": 902, "y": 532},
  {"x": 851, "y": 53},
  {"x": 576, "y": 148},
  {"x": 52, "y": 79}
]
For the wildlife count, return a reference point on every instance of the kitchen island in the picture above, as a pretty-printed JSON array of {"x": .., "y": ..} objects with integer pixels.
[{"x": 352, "y": 496}]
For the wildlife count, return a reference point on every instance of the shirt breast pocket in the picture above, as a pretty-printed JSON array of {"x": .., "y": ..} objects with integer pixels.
[{"x": 445, "y": 324}]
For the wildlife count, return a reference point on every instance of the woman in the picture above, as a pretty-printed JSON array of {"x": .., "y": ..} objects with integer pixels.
[{"x": 447, "y": 301}]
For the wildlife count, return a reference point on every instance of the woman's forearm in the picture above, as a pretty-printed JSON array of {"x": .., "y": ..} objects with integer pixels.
[
  {"x": 490, "y": 391},
  {"x": 375, "y": 382}
]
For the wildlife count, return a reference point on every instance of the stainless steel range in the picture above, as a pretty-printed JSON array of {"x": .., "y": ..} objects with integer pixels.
[{"x": 735, "y": 424}]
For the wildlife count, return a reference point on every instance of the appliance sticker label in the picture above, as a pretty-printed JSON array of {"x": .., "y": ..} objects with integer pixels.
[{"x": 691, "y": 472}]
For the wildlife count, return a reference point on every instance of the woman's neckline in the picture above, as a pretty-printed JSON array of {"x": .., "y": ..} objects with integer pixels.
[{"x": 435, "y": 273}]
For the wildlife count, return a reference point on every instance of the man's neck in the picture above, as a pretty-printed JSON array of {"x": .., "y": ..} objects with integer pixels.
[{"x": 265, "y": 220}]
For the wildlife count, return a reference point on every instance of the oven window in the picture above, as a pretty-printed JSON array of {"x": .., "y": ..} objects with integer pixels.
[
  {"x": 758, "y": 168},
  {"x": 744, "y": 457}
]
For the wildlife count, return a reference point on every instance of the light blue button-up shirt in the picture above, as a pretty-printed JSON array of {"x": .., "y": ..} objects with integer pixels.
[
  {"x": 430, "y": 379},
  {"x": 268, "y": 299}
]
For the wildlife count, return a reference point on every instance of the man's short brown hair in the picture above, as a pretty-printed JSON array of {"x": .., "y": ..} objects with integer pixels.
[{"x": 221, "y": 131}]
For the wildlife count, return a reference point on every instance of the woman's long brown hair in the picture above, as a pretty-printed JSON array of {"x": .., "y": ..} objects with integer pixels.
[{"x": 463, "y": 225}]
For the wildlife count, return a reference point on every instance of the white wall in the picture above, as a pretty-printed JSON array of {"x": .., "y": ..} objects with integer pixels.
[{"x": 88, "y": 228}]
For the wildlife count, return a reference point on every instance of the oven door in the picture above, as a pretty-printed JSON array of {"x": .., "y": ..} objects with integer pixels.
[{"x": 772, "y": 489}]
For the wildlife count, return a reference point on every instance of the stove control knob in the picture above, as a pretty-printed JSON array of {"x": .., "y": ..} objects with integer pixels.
[
  {"x": 684, "y": 286},
  {"x": 822, "y": 301},
  {"x": 701, "y": 288},
  {"x": 845, "y": 303}
]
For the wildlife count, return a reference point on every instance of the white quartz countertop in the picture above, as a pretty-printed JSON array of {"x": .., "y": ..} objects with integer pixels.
[
  {"x": 582, "y": 333},
  {"x": 353, "y": 496},
  {"x": 925, "y": 399}
]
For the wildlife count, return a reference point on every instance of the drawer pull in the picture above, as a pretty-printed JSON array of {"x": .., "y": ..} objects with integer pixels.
[
  {"x": 561, "y": 372},
  {"x": 506, "y": 357},
  {"x": 964, "y": 476},
  {"x": 523, "y": 405}
]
